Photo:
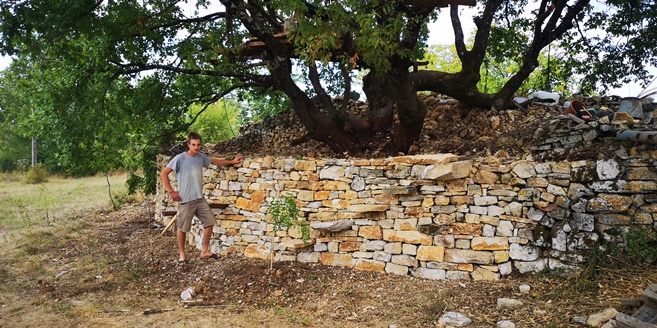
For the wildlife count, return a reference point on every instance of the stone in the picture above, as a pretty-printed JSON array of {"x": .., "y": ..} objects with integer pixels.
[
  {"x": 426, "y": 159},
  {"x": 332, "y": 226},
  {"x": 332, "y": 173},
  {"x": 413, "y": 237},
  {"x": 505, "y": 324},
  {"x": 482, "y": 274},
  {"x": 489, "y": 243},
  {"x": 368, "y": 208},
  {"x": 509, "y": 303},
  {"x": 370, "y": 265},
  {"x": 454, "y": 319},
  {"x": 524, "y": 289},
  {"x": 449, "y": 171},
  {"x": 524, "y": 170},
  {"x": 523, "y": 253},
  {"x": 468, "y": 256},
  {"x": 433, "y": 274},
  {"x": 608, "y": 169},
  {"x": 430, "y": 253},
  {"x": 397, "y": 269},
  {"x": 597, "y": 319},
  {"x": 371, "y": 232},
  {"x": 187, "y": 294},
  {"x": 256, "y": 251}
]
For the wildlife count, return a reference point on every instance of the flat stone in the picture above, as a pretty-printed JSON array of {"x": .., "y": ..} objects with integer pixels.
[{"x": 332, "y": 226}]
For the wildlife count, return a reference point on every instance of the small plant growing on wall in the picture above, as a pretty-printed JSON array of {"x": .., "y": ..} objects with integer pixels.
[{"x": 286, "y": 214}]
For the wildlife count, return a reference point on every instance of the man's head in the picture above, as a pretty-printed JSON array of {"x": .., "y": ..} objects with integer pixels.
[{"x": 194, "y": 143}]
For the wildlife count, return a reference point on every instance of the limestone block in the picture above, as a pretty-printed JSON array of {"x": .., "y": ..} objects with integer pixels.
[
  {"x": 465, "y": 229},
  {"x": 368, "y": 208},
  {"x": 431, "y": 253},
  {"x": 468, "y": 256},
  {"x": 480, "y": 273},
  {"x": 426, "y": 159},
  {"x": 449, "y": 171},
  {"x": 397, "y": 269},
  {"x": 524, "y": 170},
  {"x": 433, "y": 274},
  {"x": 301, "y": 165},
  {"x": 524, "y": 252},
  {"x": 609, "y": 203},
  {"x": 490, "y": 243},
  {"x": 534, "y": 266},
  {"x": 370, "y": 265},
  {"x": 332, "y": 173},
  {"x": 371, "y": 232},
  {"x": 608, "y": 169},
  {"x": 413, "y": 237},
  {"x": 312, "y": 257},
  {"x": 256, "y": 251},
  {"x": 335, "y": 259}
]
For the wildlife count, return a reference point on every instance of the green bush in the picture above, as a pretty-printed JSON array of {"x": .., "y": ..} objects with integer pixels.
[
  {"x": 37, "y": 174},
  {"x": 642, "y": 244}
]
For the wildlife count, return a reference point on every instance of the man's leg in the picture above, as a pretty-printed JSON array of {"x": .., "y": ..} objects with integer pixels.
[
  {"x": 182, "y": 238},
  {"x": 205, "y": 246}
]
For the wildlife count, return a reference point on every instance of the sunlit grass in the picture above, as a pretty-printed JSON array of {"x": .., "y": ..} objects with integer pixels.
[{"x": 25, "y": 205}]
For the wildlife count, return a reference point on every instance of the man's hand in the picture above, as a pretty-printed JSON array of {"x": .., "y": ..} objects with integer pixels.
[
  {"x": 174, "y": 195},
  {"x": 238, "y": 159}
]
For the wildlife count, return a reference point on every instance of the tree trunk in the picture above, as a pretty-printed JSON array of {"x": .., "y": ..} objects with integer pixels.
[
  {"x": 379, "y": 100},
  {"x": 385, "y": 90}
]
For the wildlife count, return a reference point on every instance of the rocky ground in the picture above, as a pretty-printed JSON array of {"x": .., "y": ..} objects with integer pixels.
[{"x": 448, "y": 128}]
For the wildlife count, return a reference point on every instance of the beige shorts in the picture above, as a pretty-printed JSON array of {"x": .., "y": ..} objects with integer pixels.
[{"x": 198, "y": 207}]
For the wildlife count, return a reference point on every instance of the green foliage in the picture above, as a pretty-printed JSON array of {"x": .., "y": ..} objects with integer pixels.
[
  {"x": 286, "y": 214},
  {"x": 642, "y": 244},
  {"x": 36, "y": 174},
  {"x": 215, "y": 122}
]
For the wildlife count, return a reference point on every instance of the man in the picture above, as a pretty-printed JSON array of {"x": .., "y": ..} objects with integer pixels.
[{"x": 189, "y": 173}]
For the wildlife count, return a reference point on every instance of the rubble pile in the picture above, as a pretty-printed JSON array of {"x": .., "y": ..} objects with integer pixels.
[{"x": 536, "y": 129}]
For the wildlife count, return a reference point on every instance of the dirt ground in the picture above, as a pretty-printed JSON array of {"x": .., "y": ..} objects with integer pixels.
[{"x": 117, "y": 270}]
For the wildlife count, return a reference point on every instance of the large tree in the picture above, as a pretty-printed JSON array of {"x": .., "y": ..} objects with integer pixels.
[{"x": 205, "y": 50}]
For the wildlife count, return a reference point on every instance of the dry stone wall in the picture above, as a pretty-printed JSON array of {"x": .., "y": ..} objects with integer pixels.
[{"x": 430, "y": 216}]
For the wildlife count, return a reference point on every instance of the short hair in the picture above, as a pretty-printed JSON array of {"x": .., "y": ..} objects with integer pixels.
[{"x": 193, "y": 136}]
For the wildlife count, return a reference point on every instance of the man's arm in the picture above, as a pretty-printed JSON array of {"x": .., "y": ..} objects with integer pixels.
[
  {"x": 236, "y": 160},
  {"x": 167, "y": 184}
]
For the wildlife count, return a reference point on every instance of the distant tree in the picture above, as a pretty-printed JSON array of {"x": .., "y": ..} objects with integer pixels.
[{"x": 217, "y": 122}]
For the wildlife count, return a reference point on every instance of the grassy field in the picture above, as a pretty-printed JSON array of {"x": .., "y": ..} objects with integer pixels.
[{"x": 28, "y": 206}]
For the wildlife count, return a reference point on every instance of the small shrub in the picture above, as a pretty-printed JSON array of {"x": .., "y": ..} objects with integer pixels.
[
  {"x": 37, "y": 174},
  {"x": 642, "y": 244},
  {"x": 286, "y": 214}
]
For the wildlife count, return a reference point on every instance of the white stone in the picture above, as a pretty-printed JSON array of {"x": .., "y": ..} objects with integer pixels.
[
  {"x": 535, "y": 266},
  {"x": 187, "y": 294},
  {"x": 434, "y": 274},
  {"x": 505, "y": 324},
  {"x": 524, "y": 289},
  {"x": 523, "y": 253},
  {"x": 596, "y": 320},
  {"x": 608, "y": 169},
  {"x": 332, "y": 226},
  {"x": 524, "y": 171},
  {"x": 454, "y": 319},
  {"x": 509, "y": 303}
]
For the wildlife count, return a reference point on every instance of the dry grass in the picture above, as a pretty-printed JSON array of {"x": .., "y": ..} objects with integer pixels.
[{"x": 23, "y": 206}]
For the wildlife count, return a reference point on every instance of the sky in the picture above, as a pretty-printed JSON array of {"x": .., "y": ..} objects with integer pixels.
[{"x": 441, "y": 32}]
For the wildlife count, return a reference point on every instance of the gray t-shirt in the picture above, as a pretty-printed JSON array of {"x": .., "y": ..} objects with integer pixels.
[{"x": 189, "y": 174}]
